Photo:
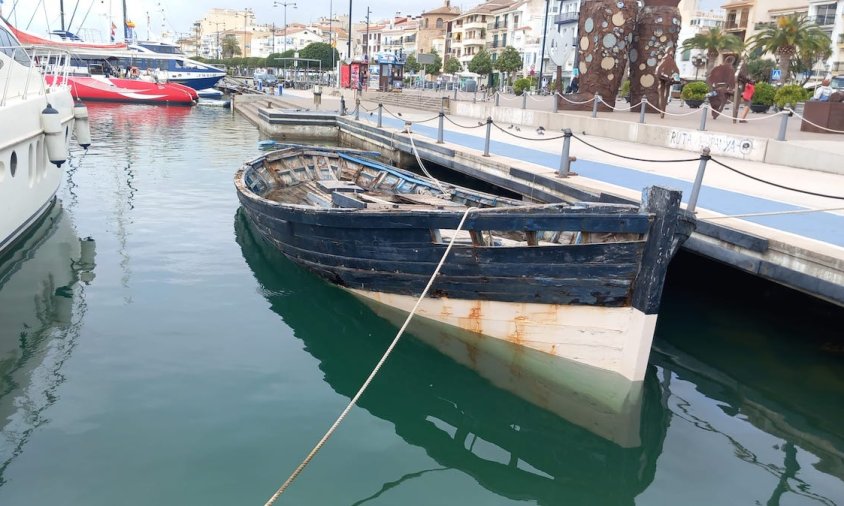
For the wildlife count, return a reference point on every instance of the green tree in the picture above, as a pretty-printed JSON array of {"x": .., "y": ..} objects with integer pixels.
[
  {"x": 714, "y": 42},
  {"x": 320, "y": 51},
  {"x": 759, "y": 69},
  {"x": 509, "y": 61},
  {"x": 411, "y": 65},
  {"x": 452, "y": 66},
  {"x": 815, "y": 50},
  {"x": 230, "y": 46},
  {"x": 481, "y": 63},
  {"x": 788, "y": 38},
  {"x": 434, "y": 68}
]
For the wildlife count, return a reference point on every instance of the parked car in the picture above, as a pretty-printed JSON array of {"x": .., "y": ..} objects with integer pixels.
[{"x": 266, "y": 77}]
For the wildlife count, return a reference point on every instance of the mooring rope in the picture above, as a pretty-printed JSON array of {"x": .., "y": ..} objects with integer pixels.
[
  {"x": 422, "y": 165},
  {"x": 377, "y": 368},
  {"x": 774, "y": 213}
]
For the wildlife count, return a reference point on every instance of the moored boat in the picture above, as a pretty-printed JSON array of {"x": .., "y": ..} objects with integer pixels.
[
  {"x": 37, "y": 122},
  {"x": 578, "y": 281},
  {"x": 111, "y": 89}
]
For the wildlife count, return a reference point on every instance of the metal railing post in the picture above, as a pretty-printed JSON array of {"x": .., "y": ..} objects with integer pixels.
[
  {"x": 357, "y": 109},
  {"x": 595, "y": 101},
  {"x": 475, "y": 96},
  {"x": 784, "y": 125},
  {"x": 380, "y": 111},
  {"x": 524, "y": 100},
  {"x": 556, "y": 102},
  {"x": 565, "y": 159},
  {"x": 497, "y": 98},
  {"x": 704, "y": 157},
  {"x": 455, "y": 91},
  {"x": 488, "y": 135},
  {"x": 342, "y": 105},
  {"x": 642, "y": 109},
  {"x": 442, "y": 121},
  {"x": 703, "y": 111}
]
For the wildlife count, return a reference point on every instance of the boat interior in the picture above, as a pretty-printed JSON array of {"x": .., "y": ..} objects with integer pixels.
[{"x": 329, "y": 178}]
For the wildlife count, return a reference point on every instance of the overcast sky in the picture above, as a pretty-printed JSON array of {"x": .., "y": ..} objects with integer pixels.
[{"x": 179, "y": 15}]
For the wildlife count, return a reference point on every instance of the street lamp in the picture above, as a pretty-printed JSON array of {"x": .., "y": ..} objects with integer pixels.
[
  {"x": 246, "y": 12},
  {"x": 217, "y": 28},
  {"x": 285, "y": 4},
  {"x": 698, "y": 62}
]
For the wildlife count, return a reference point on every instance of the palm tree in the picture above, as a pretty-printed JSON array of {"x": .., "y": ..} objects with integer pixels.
[
  {"x": 713, "y": 42},
  {"x": 788, "y": 37}
]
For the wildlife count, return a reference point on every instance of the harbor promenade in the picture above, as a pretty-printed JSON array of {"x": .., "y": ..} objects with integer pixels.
[{"x": 788, "y": 210}]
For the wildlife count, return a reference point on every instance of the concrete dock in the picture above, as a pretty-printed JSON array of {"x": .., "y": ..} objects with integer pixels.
[{"x": 795, "y": 238}]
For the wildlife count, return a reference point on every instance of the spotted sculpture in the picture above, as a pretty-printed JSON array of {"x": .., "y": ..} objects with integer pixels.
[
  {"x": 606, "y": 31},
  {"x": 652, "y": 52}
]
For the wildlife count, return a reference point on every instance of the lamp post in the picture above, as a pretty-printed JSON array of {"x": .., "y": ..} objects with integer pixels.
[
  {"x": 285, "y": 5},
  {"x": 246, "y": 12},
  {"x": 349, "y": 55},
  {"x": 366, "y": 44},
  {"x": 217, "y": 28},
  {"x": 698, "y": 62},
  {"x": 542, "y": 54}
]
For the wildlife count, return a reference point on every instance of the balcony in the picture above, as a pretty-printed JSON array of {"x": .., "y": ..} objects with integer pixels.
[
  {"x": 474, "y": 42},
  {"x": 496, "y": 26},
  {"x": 566, "y": 17},
  {"x": 841, "y": 40},
  {"x": 479, "y": 25},
  {"x": 732, "y": 26}
]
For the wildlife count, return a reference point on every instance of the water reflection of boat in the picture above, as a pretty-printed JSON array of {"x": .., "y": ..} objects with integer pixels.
[
  {"x": 508, "y": 445},
  {"x": 41, "y": 306}
]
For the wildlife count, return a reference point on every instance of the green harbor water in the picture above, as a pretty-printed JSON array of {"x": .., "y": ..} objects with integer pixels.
[{"x": 154, "y": 351}]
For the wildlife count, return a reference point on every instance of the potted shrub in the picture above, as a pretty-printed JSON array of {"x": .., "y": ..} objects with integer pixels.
[
  {"x": 523, "y": 84},
  {"x": 694, "y": 93},
  {"x": 789, "y": 95},
  {"x": 625, "y": 90},
  {"x": 763, "y": 98}
]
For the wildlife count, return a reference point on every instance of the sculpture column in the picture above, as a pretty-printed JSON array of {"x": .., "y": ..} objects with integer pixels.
[
  {"x": 605, "y": 31},
  {"x": 655, "y": 39}
]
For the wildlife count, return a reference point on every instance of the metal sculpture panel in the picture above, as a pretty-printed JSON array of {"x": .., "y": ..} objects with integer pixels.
[
  {"x": 652, "y": 52},
  {"x": 605, "y": 31}
]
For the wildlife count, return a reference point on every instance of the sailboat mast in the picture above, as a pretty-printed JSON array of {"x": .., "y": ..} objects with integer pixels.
[
  {"x": 61, "y": 12},
  {"x": 125, "y": 24}
]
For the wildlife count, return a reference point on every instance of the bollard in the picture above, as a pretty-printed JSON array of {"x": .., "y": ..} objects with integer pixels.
[
  {"x": 497, "y": 97},
  {"x": 442, "y": 121},
  {"x": 357, "y": 109},
  {"x": 475, "y": 96},
  {"x": 703, "y": 114},
  {"x": 380, "y": 110},
  {"x": 556, "y": 102},
  {"x": 704, "y": 157},
  {"x": 488, "y": 134},
  {"x": 595, "y": 100},
  {"x": 642, "y": 109},
  {"x": 565, "y": 160},
  {"x": 784, "y": 125},
  {"x": 455, "y": 92},
  {"x": 524, "y": 100},
  {"x": 342, "y": 105}
]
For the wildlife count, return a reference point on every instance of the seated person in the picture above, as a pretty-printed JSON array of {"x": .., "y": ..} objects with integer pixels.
[{"x": 823, "y": 92}]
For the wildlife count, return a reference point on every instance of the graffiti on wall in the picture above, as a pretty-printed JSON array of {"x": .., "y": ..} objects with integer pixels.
[{"x": 721, "y": 144}]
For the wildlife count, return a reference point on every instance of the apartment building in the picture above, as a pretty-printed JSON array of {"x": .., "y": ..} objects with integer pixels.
[
  {"x": 433, "y": 28},
  {"x": 694, "y": 21},
  {"x": 746, "y": 17},
  {"x": 829, "y": 16}
]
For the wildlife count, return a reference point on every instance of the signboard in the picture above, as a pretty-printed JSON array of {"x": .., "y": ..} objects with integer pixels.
[
  {"x": 776, "y": 75},
  {"x": 425, "y": 58}
]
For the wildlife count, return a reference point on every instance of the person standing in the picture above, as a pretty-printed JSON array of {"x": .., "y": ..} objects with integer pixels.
[{"x": 746, "y": 97}]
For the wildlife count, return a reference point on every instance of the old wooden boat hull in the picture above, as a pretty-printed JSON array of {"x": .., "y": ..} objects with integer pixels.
[{"x": 581, "y": 282}]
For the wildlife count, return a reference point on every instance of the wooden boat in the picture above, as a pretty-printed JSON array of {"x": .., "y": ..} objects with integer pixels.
[{"x": 579, "y": 281}]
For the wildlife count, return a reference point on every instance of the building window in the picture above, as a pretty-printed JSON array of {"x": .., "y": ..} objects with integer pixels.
[
  {"x": 439, "y": 23},
  {"x": 826, "y": 15}
]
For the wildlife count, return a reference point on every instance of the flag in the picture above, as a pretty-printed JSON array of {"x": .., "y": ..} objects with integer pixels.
[{"x": 113, "y": 28}]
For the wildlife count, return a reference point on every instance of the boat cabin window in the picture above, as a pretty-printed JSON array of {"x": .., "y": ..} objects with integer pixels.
[{"x": 11, "y": 48}]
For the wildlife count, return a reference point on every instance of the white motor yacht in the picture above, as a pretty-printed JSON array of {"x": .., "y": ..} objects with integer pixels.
[{"x": 37, "y": 121}]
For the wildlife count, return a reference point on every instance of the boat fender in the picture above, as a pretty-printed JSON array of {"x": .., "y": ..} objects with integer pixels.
[
  {"x": 53, "y": 135},
  {"x": 81, "y": 126}
]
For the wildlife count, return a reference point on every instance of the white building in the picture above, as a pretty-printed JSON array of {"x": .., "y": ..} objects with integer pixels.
[
  {"x": 829, "y": 16},
  {"x": 695, "y": 21}
]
